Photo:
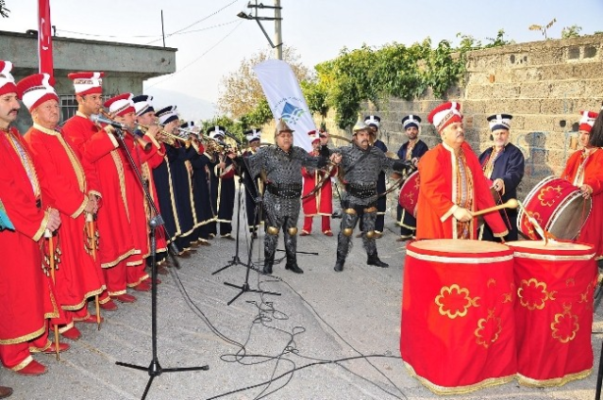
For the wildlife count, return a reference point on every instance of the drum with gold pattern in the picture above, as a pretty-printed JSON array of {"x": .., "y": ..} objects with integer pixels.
[
  {"x": 553, "y": 311},
  {"x": 458, "y": 326},
  {"x": 559, "y": 208},
  {"x": 409, "y": 193}
]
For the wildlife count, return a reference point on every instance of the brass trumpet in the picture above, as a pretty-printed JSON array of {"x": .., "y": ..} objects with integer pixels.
[
  {"x": 143, "y": 143},
  {"x": 164, "y": 135}
]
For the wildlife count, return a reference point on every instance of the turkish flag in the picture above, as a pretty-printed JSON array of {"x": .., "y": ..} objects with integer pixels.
[{"x": 45, "y": 38}]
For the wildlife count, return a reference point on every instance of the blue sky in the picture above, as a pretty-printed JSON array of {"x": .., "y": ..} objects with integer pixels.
[{"x": 318, "y": 29}]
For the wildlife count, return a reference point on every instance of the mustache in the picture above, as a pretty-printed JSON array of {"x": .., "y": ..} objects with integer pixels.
[{"x": 16, "y": 110}]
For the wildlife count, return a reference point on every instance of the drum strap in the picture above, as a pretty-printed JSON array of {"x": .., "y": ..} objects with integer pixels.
[
  {"x": 464, "y": 194},
  {"x": 488, "y": 166},
  {"x": 579, "y": 178}
]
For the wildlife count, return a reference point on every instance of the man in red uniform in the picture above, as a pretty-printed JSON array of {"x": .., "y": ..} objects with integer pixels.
[
  {"x": 452, "y": 184},
  {"x": 100, "y": 155},
  {"x": 319, "y": 203},
  {"x": 147, "y": 121},
  {"x": 26, "y": 296},
  {"x": 584, "y": 169},
  {"x": 122, "y": 108},
  {"x": 64, "y": 186}
]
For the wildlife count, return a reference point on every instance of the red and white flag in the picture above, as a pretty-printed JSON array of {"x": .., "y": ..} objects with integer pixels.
[{"x": 45, "y": 38}]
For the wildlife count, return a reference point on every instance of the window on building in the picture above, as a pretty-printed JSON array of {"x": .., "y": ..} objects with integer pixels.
[{"x": 69, "y": 105}]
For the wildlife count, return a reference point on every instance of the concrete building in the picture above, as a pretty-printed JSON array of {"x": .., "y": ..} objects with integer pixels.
[{"x": 126, "y": 66}]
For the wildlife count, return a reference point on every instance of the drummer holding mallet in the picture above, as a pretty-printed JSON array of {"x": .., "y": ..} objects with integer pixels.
[
  {"x": 584, "y": 169},
  {"x": 453, "y": 185}
]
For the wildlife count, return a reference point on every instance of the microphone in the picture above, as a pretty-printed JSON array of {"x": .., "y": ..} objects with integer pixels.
[{"x": 99, "y": 119}]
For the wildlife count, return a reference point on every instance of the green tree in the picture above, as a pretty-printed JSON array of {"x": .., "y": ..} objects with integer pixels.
[
  {"x": 571, "y": 31},
  {"x": 241, "y": 90}
]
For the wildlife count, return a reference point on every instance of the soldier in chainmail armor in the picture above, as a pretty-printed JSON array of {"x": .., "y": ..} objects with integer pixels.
[
  {"x": 282, "y": 164},
  {"x": 361, "y": 164}
]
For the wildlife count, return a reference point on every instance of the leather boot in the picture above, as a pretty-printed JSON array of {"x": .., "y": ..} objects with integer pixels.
[
  {"x": 373, "y": 259},
  {"x": 339, "y": 263},
  {"x": 292, "y": 264},
  {"x": 268, "y": 262}
]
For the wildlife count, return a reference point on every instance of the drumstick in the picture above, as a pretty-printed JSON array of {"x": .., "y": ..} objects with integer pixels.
[
  {"x": 511, "y": 203},
  {"x": 543, "y": 234},
  {"x": 48, "y": 235},
  {"x": 92, "y": 238}
]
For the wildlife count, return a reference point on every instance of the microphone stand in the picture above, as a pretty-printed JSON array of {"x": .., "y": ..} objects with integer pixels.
[
  {"x": 154, "y": 369},
  {"x": 235, "y": 259},
  {"x": 245, "y": 288}
]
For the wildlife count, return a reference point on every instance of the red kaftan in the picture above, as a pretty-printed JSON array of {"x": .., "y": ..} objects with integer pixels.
[
  {"x": 64, "y": 187},
  {"x": 26, "y": 295},
  {"x": 438, "y": 174},
  {"x": 591, "y": 173}
]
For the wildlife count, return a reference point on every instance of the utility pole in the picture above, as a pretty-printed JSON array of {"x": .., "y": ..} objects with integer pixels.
[{"x": 278, "y": 33}]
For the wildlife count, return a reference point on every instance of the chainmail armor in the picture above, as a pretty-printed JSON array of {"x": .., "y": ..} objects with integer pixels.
[{"x": 283, "y": 170}]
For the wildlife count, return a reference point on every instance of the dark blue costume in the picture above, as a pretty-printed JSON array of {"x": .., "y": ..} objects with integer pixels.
[
  {"x": 177, "y": 157},
  {"x": 508, "y": 166},
  {"x": 251, "y": 194},
  {"x": 407, "y": 222},
  {"x": 201, "y": 195},
  {"x": 222, "y": 195},
  {"x": 165, "y": 195}
]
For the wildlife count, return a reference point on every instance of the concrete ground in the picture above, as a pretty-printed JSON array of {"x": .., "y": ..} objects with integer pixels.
[{"x": 327, "y": 336}]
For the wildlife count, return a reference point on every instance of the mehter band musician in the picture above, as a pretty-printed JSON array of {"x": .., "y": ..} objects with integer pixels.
[
  {"x": 317, "y": 200},
  {"x": 26, "y": 298},
  {"x": 252, "y": 186},
  {"x": 99, "y": 151},
  {"x": 222, "y": 172},
  {"x": 282, "y": 164},
  {"x": 584, "y": 169},
  {"x": 374, "y": 123},
  {"x": 452, "y": 184},
  {"x": 503, "y": 166},
  {"x": 410, "y": 151},
  {"x": 361, "y": 164},
  {"x": 68, "y": 188}
]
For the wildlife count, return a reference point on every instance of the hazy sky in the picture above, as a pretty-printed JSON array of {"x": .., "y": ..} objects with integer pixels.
[{"x": 318, "y": 29}]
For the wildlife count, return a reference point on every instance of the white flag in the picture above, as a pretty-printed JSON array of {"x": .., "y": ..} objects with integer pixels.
[{"x": 286, "y": 99}]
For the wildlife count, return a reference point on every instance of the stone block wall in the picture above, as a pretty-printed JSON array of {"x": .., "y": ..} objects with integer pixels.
[{"x": 543, "y": 84}]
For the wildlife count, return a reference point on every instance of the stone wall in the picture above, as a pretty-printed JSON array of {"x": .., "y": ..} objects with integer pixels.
[{"x": 544, "y": 85}]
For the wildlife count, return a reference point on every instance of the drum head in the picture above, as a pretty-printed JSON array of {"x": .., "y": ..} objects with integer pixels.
[
  {"x": 457, "y": 246},
  {"x": 551, "y": 248},
  {"x": 571, "y": 216}
]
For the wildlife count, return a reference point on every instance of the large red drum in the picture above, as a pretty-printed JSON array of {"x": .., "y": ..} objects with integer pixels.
[
  {"x": 458, "y": 326},
  {"x": 554, "y": 311},
  {"x": 559, "y": 208},
  {"x": 409, "y": 193}
]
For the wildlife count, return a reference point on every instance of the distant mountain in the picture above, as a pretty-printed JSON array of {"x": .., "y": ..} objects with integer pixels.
[{"x": 189, "y": 107}]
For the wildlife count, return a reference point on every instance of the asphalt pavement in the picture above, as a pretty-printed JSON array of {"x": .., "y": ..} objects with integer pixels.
[{"x": 326, "y": 335}]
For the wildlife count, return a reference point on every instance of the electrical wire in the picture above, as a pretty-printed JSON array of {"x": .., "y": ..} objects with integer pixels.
[
  {"x": 266, "y": 313},
  {"x": 177, "y": 32},
  {"x": 196, "y": 59}
]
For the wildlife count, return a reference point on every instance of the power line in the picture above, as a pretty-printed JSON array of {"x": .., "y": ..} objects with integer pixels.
[
  {"x": 198, "y": 58},
  {"x": 147, "y": 36},
  {"x": 196, "y": 30},
  {"x": 155, "y": 36},
  {"x": 203, "y": 19},
  {"x": 109, "y": 36}
]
